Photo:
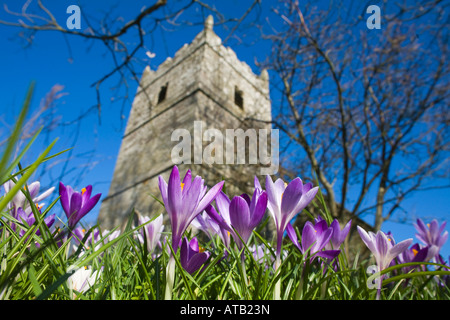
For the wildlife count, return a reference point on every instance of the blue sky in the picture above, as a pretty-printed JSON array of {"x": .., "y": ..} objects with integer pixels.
[{"x": 76, "y": 63}]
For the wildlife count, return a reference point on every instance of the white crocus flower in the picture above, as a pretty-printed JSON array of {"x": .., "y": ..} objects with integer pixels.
[{"x": 82, "y": 279}]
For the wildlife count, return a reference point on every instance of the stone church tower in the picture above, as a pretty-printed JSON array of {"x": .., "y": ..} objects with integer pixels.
[{"x": 203, "y": 84}]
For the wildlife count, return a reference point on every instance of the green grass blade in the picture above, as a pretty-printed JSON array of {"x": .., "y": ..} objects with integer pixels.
[{"x": 15, "y": 135}]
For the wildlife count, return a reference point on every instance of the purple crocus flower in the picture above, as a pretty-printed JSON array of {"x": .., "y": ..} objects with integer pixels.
[
  {"x": 445, "y": 279},
  {"x": 211, "y": 227},
  {"x": 29, "y": 219},
  {"x": 192, "y": 257},
  {"x": 184, "y": 200},
  {"x": 382, "y": 247},
  {"x": 315, "y": 238},
  {"x": 285, "y": 201},
  {"x": 432, "y": 235},
  {"x": 240, "y": 215},
  {"x": 20, "y": 200},
  {"x": 246, "y": 214},
  {"x": 91, "y": 240},
  {"x": 221, "y": 217},
  {"x": 415, "y": 253},
  {"x": 338, "y": 236},
  {"x": 76, "y": 204}
]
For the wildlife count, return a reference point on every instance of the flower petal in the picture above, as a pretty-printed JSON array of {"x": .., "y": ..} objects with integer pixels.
[
  {"x": 240, "y": 216},
  {"x": 274, "y": 200},
  {"x": 64, "y": 198},
  {"x": 292, "y": 235},
  {"x": 209, "y": 196},
  {"x": 259, "y": 210},
  {"x": 367, "y": 238},
  {"x": 88, "y": 205},
  {"x": 309, "y": 238},
  {"x": 75, "y": 206},
  {"x": 174, "y": 192},
  {"x": 397, "y": 249},
  {"x": 223, "y": 205},
  {"x": 190, "y": 200},
  {"x": 306, "y": 199},
  {"x": 291, "y": 197},
  {"x": 196, "y": 261},
  {"x": 328, "y": 254},
  {"x": 187, "y": 180}
]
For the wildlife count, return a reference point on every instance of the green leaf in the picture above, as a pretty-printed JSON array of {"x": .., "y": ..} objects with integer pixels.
[{"x": 15, "y": 135}]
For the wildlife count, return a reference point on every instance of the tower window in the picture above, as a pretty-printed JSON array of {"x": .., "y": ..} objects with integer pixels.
[
  {"x": 238, "y": 97},
  {"x": 162, "y": 93}
]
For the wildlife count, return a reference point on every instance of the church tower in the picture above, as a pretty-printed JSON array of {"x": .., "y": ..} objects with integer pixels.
[{"x": 204, "y": 86}]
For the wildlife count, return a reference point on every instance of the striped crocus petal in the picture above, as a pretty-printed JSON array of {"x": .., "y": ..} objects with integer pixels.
[
  {"x": 151, "y": 231},
  {"x": 397, "y": 249},
  {"x": 274, "y": 195},
  {"x": 368, "y": 238},
  {"x": 289, "y": 202},
  {"x": 432, "y": 235},
  {"x": 174, "y": 194},
  {"x": 382, "y": 248},
  {"x": 308, "y": 194},
  {"x": 209, "y": 197}
]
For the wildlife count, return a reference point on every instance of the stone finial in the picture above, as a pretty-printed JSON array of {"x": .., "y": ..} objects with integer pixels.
[
  {"x": 146, "y": 75},
  {"x": 264, "y": 75},
  {"x": 147, "y": 71},
  {"x": 209, "y": 23}
]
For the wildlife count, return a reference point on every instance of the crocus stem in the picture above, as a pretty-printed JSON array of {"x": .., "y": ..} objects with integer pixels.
[
  {"x": 243, "y": 269},
  {"x": 299, "y": 293},
  {"x": 170, "y": 275},
  {"x": 277, "y": 291},
  {"x": 379, "y": 288}
]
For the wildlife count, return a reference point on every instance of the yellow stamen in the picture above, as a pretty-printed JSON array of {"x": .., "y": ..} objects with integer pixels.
[
  {"x": 83, "y": 191},
  {"x": 415, "y": 251},
  {"x": 285, "y": 185},
  {"x": 182, "y": 186},
  {"x": 201, "y": 249}
]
